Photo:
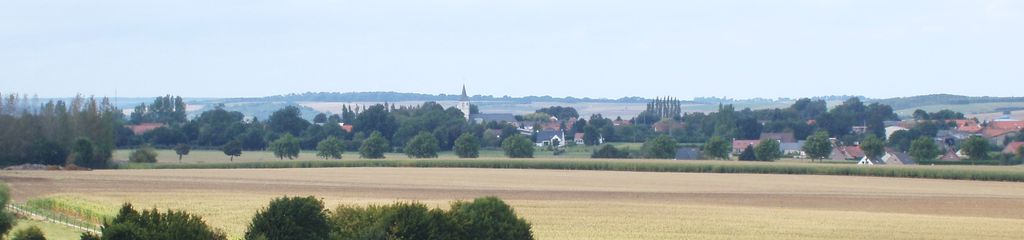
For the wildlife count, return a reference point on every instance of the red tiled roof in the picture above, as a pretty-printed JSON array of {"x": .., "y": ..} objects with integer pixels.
[
  {"x": 1015, "y": 125},
  {"x": 854, "y": 151},
  {"x": 578, "y": 136},
  {"x": 967, "y": 125},
  {"x": 1013, "y": 147},
  {"x": 144, "y": 127},
  {"x": 739, "y": 145},
  {"x": 991, "y": 132}
]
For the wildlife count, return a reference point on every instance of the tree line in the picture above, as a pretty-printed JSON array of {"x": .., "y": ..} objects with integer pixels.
[{"x": 78, "y": 132}]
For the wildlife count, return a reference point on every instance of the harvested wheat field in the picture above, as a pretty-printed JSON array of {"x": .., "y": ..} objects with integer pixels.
[{"x": 565, "y": 204}]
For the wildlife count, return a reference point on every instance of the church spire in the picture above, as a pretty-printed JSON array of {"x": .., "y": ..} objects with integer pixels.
[{"x": 465, "y": 98}]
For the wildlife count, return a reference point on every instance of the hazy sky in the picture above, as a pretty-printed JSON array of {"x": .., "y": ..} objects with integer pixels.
[{"x": 586, "y": 48}]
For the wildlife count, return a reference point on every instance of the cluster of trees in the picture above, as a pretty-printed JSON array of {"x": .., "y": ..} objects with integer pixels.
[
  {"x": 79, "y": 131},
  {"x": 305, "y": 218},
  {"x": 562, "y": 113},
  {"x": 766, "y": 150},
  {"x": 166, "y": 109}
]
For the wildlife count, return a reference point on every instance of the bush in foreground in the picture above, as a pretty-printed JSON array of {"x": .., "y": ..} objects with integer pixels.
[
  {"x": 30, "y": 233},
  {"x": 287, "y": 218},
  {"x": 483, "y": 218},
  {"x": 517, "y": 146},
  {"x": 154, "y": 225},
  {"x": 6, "y": 218},
  {"x": 145, "y": 154}
]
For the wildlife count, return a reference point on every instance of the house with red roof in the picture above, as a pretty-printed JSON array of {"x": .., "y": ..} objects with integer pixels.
[
  {"x": 143, "y": 128},
  {"x": 739, "y": 145},
  {"x": 1013, "y": 147}
]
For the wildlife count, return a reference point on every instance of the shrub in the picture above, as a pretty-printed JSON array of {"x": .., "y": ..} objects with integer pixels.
[
  {"x": 286, "y": 147},
  {"x": 330, "y": 148},
  {"x": 717, "y": 148},
  {"x": 423, "y": 145},
  {"x": 517, "y": 146},
  {"x": 484, "y": 218},
  {"x": 748, "y": 154},
  {"x": 144, "y": 154},
  {"x": 609, "y": 151},
  {"x": 661, "y": 147},
  {"x": 153, "y": 225},
  {"x": 286, "y": 218},
  {"x": 373, "y": 147},
  {"x": 467, "y": 146},
  {"x": 489, "y": 218},
  {"x": 30, "y": 233}
]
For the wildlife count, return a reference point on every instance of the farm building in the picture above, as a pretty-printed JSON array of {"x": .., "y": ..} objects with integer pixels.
[
  {"x": 739, "y": 145},
  {"x": 785, "y": 137},
  {"x": 1012, "y": 147},
  {"x": 546, "y": 137},
  {"x": 688, "y": 154}
]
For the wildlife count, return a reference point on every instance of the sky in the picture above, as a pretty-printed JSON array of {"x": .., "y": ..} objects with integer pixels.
[{"x": 580, "y": 48}]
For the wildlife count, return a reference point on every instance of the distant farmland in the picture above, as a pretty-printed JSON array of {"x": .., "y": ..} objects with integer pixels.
[{"x": 565, "y": 204}]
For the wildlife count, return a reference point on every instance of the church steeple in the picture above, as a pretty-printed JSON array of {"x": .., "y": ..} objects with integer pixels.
[{"x": 465, "y": 98}]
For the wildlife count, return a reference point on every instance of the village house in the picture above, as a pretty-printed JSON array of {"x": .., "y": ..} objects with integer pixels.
[
  {"x": 1012, "y": 147},
  {"x": 846, "y": 153},
  {"x": 893, "y": 129},
  {"x": 578, "y": 138},
  {"x": 547, "y": 137},
  {"x": 783, "y": 137},
  {"x": 739, "y": 145},
  {"x": 793, "y": 149}
]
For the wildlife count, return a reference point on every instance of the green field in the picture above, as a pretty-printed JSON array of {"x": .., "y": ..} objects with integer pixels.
[{"x": 51, "y": 230}]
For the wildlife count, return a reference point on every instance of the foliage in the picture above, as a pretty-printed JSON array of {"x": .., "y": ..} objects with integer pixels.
[
  {"x": 748, "y": 154},
  {"x": 330, "y": 148},
  {"x": 30, "y": 233},
  {"x": 376, "y": 119},
  {"x": 182, "y": 149},
  {"x": 661, "y": 147},
  {"x": 768, "y": 150},
  {"x": 285, "y": 147},
  {"x": 7, "y": 219},
  {"x": 48, "y": 153},
  {"x": 483, "y": 218},
  {"x": 166, "y": 109},
  {"x": 923, "y": 149},
  {"x": 562, "y": 113},
  {"x": 373, "y": 147},
  {"x": 144, "y": 154},
  {"x": 232, "y": 149},
  {"x": 467, "y": 146},
  {"x": 287, "y": 120},
  {"x": 154, "y": 225},
  {"x": 818, "y": 146},
  {"x": 873, "y": 147},
  {"x": 609, "y": 151},
  {"x": 489, "y": 218},
  {"x": 976, "y": 147},
  {"x": 299, "y": 218},
  {"x": 717, "y": 148},
  {"x": 423, "y": 145},
  {"x": 517, "y": 146}
]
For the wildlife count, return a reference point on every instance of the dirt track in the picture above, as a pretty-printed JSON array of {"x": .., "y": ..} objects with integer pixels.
[{"x": 863, "y": 194}]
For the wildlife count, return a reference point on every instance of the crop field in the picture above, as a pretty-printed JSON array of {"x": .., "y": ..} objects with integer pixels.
[{"x": 574, "y": 204}]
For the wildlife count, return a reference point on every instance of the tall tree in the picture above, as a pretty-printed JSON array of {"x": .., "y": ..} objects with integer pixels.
[
  {"x": 873, "y": 147},
  {"x": 233, "y": 149},
  {"x": 330, "y": 148},
  {"x": 517, "y": 146},
  {"x": 924, "y": 149},
  {"x": 467, "y": 146},
  {"x": 424, "y": 145},
  {"x": 287, "y": 120},
  {"x": 286, "y": 147},
  {"x": 976, "y": 147},
  {"x": 374, "y": 147},
  {"x": 768, "y": 150},
  {"x": 818, "y": 146},
  {"x": 182, "y": 150},
  {"x": 661, "y": 147},
  {"x": 717, "y": 148}
]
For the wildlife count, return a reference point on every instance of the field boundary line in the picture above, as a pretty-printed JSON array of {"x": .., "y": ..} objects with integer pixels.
[{"x": 19, "y": 210}]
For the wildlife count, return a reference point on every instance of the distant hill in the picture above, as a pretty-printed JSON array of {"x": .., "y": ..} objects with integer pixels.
[
  {"x": 943, "y": 99},
  {"x": 398, "y": 97}
]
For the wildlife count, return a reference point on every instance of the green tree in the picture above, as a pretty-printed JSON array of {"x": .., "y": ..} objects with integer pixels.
[
  {"x": 661, "y": 147},
  {"x": 609, "y": 151},
  {"x": 490, "y": 218},
  {"x": 48, "y": 152},
  {"x": 290, "y": 218},
  {"x": 467, "y": 146},
  {"x": 768, "y": 150},
  {"x": 330, "y": 148},
  {"x": 233, "y": 149},
  {"x": 517, "y": 146},
  {"x": 286, "y": 146},
  {"x": 748, "y": 154},
  {"x": 7, "y": 219},
  {"x": 182, "y": 149},
  {"x": 976, "y": 147},
  {"x": 873, "y": 147},
  {"x": 423, "y": 145},
  {"x": 818, "y": 146},
  {"x": 154, "y": 225},
  {"x": 83, "y": 150},
  {"x": 373, "y": 147},
  {"x": 591, "y": 136},
  {"x": 717, "y": 148},
  {"x": 924, "y": 149},
  {"x": 287, "y": 120},
  {"x": 30, "y": 233},
  {"x": 144, "y": 154}
]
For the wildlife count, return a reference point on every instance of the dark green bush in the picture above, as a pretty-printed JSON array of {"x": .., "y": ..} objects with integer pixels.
[
  {"x": 484, "y": 218},
  {"x": 153, "y": 225},
  {"x": 286, "y": 218},
  {"x": 609, "y": 151},
  {"x": 30, "y": 233},
  {"x": 145, "y": 154},
  {"x": 6, "y": 219},
  {"x": 489, "y": 218}
]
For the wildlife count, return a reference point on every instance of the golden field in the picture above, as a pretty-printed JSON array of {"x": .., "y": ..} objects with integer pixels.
[{"x": 564, "y": 204}]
